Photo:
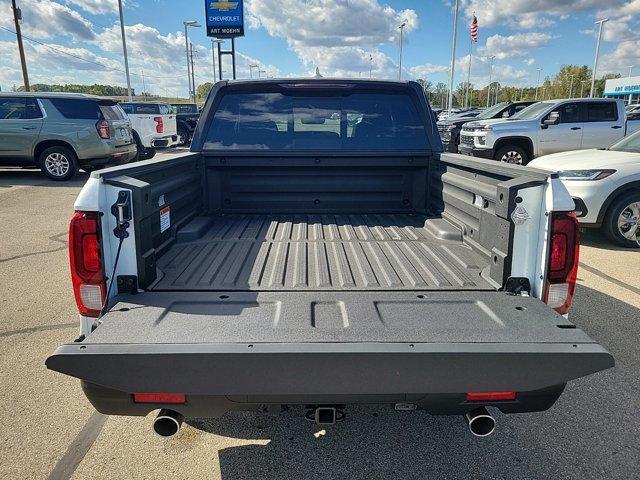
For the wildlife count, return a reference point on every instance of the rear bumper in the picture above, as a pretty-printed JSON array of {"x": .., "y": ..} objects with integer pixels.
[
  {"x": 475, "y": 152},
  {"x": 114, "y": 402},
  {"x": 216, "y": 374},
  {"x": 165, "y": 142},
  {"x": 120, "y": 156}
]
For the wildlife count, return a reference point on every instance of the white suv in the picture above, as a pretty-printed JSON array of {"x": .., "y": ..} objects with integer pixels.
[
  {"x": 605, "y": 186},
  {"x": 546, "y": 127}
]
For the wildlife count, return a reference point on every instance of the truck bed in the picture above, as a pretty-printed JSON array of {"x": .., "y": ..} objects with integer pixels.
[{"x": 322, "y": 252}]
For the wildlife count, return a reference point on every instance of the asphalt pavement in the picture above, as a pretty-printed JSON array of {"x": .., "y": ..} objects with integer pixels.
[{"x": 49, "y": 430}]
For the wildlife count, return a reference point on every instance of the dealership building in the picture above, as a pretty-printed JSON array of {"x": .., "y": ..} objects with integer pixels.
[{"x": 627, "y": 88}]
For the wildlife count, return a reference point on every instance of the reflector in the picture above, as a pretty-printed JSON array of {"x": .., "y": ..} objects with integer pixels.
[
  {"x": 159, "y": 398},
  {"x": 490, "y": 396}
]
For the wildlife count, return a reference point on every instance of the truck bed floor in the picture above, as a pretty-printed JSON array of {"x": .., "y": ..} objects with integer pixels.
[{"x": 324, "y": 252}]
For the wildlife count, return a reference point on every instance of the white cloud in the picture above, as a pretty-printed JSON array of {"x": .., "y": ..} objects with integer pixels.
[
  {"x": 424, "y": 71},
  {"x": 338, "y": 36},
  {"x": 529, "y": 61},
  {"x": 97, "y": 7},
  {"x": 530, "y": 13},
  {"x": 517, "y": 45},
  {"x": 625, "y": 54},
  {"x": 46, "y": 18}
]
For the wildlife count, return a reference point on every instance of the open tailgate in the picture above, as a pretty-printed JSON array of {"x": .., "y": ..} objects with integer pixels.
[{"x": 275, "y": 343}]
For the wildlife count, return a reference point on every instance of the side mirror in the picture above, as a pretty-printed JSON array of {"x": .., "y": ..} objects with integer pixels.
[{"x": 552, "y": 119}]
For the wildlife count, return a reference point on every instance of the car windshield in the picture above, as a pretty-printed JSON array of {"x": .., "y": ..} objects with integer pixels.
[
  {"x": 492, "y": 112},
  {"x": 628, "y": 144},
  {"x": 532, "y": 111}
]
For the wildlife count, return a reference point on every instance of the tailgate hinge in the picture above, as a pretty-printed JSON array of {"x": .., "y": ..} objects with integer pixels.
[{"x": 518, "y": 286}]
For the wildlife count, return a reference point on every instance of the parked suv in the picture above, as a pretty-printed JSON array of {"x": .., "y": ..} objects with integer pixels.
[
  {"x": 450, "y": 128},
  {"x": 546, "y": 127},
  {"x": 154, "y": 126},
  {"x": 63, "y": 132}
]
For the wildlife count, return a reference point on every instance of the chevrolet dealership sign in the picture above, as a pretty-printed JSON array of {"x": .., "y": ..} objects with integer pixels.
[
  {"x": 225, "y": 18},
  {"x": 622, "y": 86}
]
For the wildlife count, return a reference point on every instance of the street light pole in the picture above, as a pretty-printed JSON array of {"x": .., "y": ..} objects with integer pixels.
[
  {"x": 490, "y": 74},
  {"x": 453, "y": 56},
  {"x": 251, "y": 67},
  {"x": 538, "y": 83},
  {"x": 193, "y": 74},
  {"x": 187, "y": 24},
  {"x": 401, "y": 27},
  {"x": 124, "y": 49},
  {"x": 582, "y": 82},
  {"x": 595, "y": 61},
  {"x": 17, "y": 16}
]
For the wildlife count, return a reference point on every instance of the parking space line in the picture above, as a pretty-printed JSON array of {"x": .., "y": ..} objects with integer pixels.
[
  {"x": 604, "y": 276},
  {"x": 78, "y": 448}
]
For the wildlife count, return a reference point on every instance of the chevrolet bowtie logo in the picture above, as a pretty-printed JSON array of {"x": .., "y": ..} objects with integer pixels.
[{"x": 223, "y": 5}]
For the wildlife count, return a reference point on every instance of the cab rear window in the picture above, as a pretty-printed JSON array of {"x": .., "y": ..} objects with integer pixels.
[{"x": 355, "y": 122}]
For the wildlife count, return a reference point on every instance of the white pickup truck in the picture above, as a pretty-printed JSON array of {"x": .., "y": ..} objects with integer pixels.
[
  {"x": 548, "y": 127},
  {"x": 317, "y": 248},
  {"x": 154, "y": 126}
]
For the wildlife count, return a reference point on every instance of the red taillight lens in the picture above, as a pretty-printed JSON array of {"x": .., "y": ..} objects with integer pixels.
[
  {"x": 490, "y": 396},
  {"x": 564, "y": 250},
  {"x": 159, "y": 398},
  {"x": 87, "y": 272},
  {"x": 103, "y": 129},
  {"x": 159, "y": 124}
]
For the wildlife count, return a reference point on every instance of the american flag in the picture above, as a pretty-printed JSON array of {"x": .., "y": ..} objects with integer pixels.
[{"x": 474, "y": 29}]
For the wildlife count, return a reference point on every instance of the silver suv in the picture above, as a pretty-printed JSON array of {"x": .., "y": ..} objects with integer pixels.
[
  {"x": 63, "y": 132},
  {"x": 546, "y": 127}
]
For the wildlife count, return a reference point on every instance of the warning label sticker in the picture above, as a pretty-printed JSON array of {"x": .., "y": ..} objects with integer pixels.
[{"x": 165, "y": 219}]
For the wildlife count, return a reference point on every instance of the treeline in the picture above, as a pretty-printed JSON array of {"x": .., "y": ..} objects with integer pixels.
[
  {"x": 95, "y": 89},
  {"x": 572, "y": 81}
]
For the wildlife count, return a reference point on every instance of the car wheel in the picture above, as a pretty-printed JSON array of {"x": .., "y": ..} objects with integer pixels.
[
  {"x": 622, "y": 221},
  {"x": 512, "y": 154},
  {"x": 58, "y": 163},
  {"x": 147, "y": 153},
  {"x": 185, "y": 138}
]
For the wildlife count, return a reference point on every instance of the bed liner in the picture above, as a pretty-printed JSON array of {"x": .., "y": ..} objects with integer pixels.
[{"x": 321, "y": 252}]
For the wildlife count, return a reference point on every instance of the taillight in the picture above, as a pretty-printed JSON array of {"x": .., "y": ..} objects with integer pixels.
[
  {"x": 562, "y": 266},
  {"x": 103, "y": 129},
  {"x": 159, "y": 124},
  {"x": 87, "y": 271}
]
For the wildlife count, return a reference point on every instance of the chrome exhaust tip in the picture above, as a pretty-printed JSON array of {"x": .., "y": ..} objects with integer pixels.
[
  {"x": 481, "y": 423},
  {"x": 167, "y": 423}
]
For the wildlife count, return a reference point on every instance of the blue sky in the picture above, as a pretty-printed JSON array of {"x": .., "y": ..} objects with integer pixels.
[{"x": 79, "y": 40}]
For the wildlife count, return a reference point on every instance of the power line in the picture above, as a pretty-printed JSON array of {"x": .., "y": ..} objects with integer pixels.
[{"x": 62, "y": 52}]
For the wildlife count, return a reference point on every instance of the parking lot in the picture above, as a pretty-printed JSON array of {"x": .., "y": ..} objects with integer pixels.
[{"x": 49, "y": 430}]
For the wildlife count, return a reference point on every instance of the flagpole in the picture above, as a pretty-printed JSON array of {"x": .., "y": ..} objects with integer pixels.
[
  {"x": 453, "y": 57},
  {"x": 468, "y": 96}
]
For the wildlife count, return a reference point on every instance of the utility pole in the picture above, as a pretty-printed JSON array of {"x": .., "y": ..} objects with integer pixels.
[
  {"x": 187, "y": 24},
  {"x": 453, "y": 56},
  {"x": 17, "y": 16},
  {"x": 371, "y": 65},
  {"x": 571, "y": 87},
  {"x": 193, "y": 75},
  {"x": 490, "y": 75},
  {"x": 401, "y": 27},
  {"x": 144, "y": 86},
  {"x": 538, "y": 83},
  {"x": 124, "y": 50},
  {"x": 595, "y": 61}
]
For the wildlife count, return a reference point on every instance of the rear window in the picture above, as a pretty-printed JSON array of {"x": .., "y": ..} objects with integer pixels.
[
  {"x": 112, "y": 112},
  {"x": 273, "y": 121},
  {"x": 601, "y": 112},
  {"x": 148, "y": 108},
  {"x": 76, "y": 108},
  {"x": 186, "y": 108}
]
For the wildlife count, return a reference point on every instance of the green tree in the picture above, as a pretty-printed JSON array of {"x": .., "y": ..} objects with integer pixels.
[{"x": 203, "y": 90}]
